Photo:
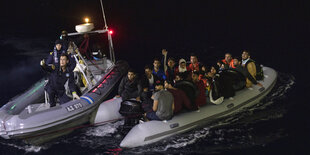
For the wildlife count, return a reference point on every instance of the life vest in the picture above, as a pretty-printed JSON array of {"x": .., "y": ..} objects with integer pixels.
[
  {"x": 192, "y": 68},
  {"x": 259, "y": 70},
  {"x": 230, "y": 64},
  {"x": 57, "y": 54}
]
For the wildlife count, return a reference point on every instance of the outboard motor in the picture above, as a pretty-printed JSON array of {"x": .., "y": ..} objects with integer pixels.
[{"x": 132, "y": 111}]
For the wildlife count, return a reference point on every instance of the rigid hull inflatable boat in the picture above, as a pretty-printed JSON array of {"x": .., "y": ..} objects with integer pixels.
[
  {"x": 29, "y": 115},
  {"x": 153, "y": 131}
]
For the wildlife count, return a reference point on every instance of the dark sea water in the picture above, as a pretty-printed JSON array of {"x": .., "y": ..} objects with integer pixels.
[{"x": 275, "y": 33}]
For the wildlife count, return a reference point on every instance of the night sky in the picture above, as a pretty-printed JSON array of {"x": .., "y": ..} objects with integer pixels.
[
  {"x": 279, "y": 27},
  {"x": 276, "y": 32}
]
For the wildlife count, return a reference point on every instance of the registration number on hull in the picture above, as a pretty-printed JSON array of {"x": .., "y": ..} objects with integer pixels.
[{"x": 74, "y": 107}]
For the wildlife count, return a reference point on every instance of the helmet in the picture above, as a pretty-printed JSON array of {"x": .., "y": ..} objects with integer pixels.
[{"x": 64, "y": 33}]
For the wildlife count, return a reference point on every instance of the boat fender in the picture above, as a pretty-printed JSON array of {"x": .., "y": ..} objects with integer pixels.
[{"x": 217, "y": 101}]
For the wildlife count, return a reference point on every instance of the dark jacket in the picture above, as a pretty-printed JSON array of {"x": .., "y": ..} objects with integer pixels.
[
  {"x": 146, "y": 84},
  {"x": 190, "y": 89},
  {"x": 129, "y": 86},
  {"x": 58, "y": 78},
  {"x": 245, "y": 73},
  {"x": 181, "y": 101},
  {"x": 170, "y": 73},
  {"x": 54, "y": 58}
]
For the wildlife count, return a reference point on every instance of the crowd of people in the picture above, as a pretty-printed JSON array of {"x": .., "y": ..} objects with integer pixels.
[{"x": 167, "y": 88}]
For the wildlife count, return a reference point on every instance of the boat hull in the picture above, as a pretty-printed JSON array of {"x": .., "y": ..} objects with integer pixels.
[
  {"x": 40, "y": 126},
  {"x": 153, "y": 131}
]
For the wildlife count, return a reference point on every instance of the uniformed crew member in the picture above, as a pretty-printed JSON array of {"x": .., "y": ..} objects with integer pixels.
[
  {"x": 58, "y": 77},
  {"x": 53, "y": 58}
]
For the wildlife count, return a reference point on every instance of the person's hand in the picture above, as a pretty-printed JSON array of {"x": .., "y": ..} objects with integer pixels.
[
  {"x": 259, "y": 84},
  {"x": 118, "y": 96},
  {"x": 164, "y": 52},
  {"x": 42, "y": 62},
  {"x": 75, "y": 96},
  {"x": 138, "y": 98}
]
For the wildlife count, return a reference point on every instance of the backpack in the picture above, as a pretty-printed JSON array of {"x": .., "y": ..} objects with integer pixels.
[{"x": 259, "y": 70}]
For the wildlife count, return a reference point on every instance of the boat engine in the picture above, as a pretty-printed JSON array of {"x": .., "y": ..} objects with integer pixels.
[{"x": 132, "y": 111}]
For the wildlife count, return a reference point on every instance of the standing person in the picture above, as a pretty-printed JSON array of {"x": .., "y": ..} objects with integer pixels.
[
  {"x": 53, "y": 58},
  {"x": 201, "y": 99},
  {"x": 157, "y": 70},
  {"x": 130, "y": 86},
  {"x": 58, "y": 77},
  {"x": 250, "y": 66},
  {"x": 65, "y": 39},
  {"x": 163, "y": 104}
]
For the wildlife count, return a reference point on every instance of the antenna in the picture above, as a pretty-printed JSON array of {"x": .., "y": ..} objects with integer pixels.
[{"x": 105, "y": 21}]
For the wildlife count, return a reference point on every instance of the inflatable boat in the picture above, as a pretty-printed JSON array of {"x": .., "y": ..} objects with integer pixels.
[
  {"x": 153, "y": 131},
  {"x": 29, "y": 116}
]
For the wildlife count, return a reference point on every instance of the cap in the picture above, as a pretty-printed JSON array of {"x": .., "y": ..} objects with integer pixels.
[
  {"x": 58, "y": 42},
  {"x": 159, "y": 82},
  {"x": 181, "y": 61}
]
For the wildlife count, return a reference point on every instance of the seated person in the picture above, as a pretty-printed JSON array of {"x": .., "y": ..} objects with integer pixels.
[
  {"x": 58, "y": 77},
  {"x": 130, "y": 86},
  {"x": 201, "y": 98},
  {"x": 194, "y": 65},
  {"x": 188, "y": 87},
  {"x": 220, "y": 65},
  {"x": 245, "y": 73},
  {"x": 250, "y": 66},
  {"x": 148, "y": 79},
  {"x": 170, "y": 73},
  {"x": 163, "y": 105},
  {"x": 157, "y": 70},
  {"x": 228, "y": 61},
  {"x": 169, "y": 67},
  {"x": 182, "y": 67},
  {"x": 180, "y": 98}
]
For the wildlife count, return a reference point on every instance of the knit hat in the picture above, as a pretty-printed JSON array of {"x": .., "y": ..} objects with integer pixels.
[{"x": 58, "y": 42}]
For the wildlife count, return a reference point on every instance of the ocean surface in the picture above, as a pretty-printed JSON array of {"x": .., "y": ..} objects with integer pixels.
[{"x": 274, "y": 34}]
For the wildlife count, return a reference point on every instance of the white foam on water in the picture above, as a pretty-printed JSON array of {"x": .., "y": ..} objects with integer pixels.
[
  {"x": 26, "y": 148},
  {"x": 104, "y": 130}
]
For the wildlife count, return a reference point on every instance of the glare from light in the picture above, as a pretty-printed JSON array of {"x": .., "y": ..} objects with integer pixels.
[
  {"x": 86, "y": 20},
  {"x": 110, "y": 31}
]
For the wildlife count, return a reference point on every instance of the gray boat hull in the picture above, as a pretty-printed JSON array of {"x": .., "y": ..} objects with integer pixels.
[
  {"x": 153, "y": 131},
  {"x": 39, "y": 126}
]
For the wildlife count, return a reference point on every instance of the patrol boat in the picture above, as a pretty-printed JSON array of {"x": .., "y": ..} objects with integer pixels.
[
  {"x": 154, "y": 131},
  {"x": 29, "y": 116}
]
